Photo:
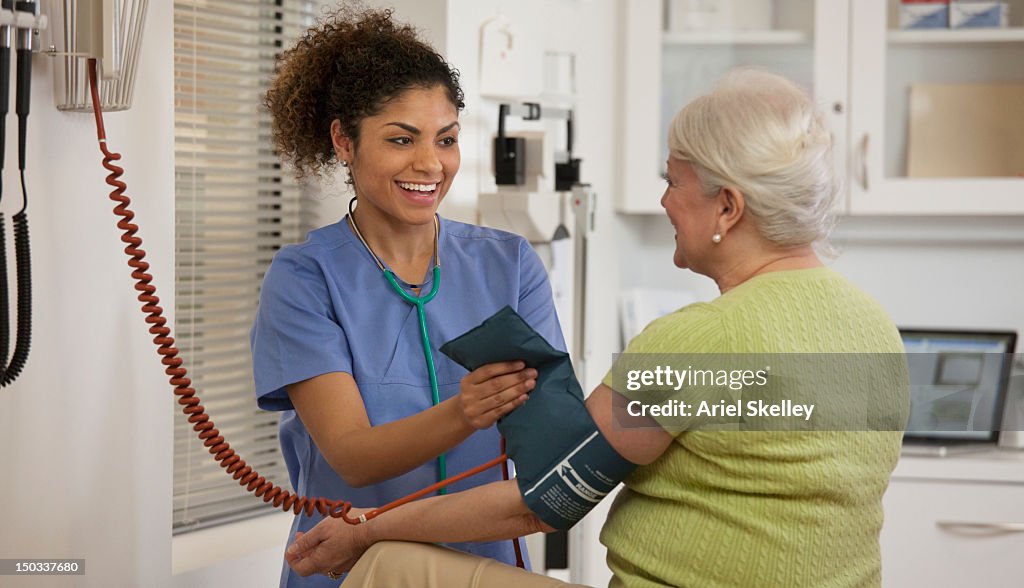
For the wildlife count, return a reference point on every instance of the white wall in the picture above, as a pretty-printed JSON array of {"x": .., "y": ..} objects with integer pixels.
[{"x": 86, "y": 431}]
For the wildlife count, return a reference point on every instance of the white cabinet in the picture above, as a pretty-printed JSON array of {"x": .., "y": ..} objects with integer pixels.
[
  {"x": 859, "y": 68},
  {"x": 886, "y": 66},
  {"x": 955, "y": 522},
  {"x": 663, "y": 70}
]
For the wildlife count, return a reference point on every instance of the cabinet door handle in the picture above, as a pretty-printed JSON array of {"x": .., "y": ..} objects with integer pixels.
[
  {"x": 980, "y": 527},
  {"x": 864, "y": 162}
]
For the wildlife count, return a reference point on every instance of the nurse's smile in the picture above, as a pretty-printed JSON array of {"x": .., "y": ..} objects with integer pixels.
[{"x": 419, "y": 193}]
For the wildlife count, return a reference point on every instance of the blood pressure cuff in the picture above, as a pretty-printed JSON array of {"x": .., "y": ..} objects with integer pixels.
[{"x": 564, "y": 465}]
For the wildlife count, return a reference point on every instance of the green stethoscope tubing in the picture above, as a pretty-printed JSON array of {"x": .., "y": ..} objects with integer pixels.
[{"x": 419, "y": 302}]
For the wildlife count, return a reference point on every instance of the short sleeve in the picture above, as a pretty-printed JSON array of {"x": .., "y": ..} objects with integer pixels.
[
  {"x": 536, "y": 305},
  {"x": 296, "y": 334}
]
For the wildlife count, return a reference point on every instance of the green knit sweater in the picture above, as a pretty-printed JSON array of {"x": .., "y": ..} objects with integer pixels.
[{"x": 756, "y": 508}]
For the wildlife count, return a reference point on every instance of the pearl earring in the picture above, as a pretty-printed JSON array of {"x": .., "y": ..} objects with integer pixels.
[
  {"x": 344, "y": 163},
  {"x": 716, "y": 238}
]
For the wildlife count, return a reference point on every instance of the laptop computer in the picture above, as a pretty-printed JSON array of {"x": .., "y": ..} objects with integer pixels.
[{"x": 958, "y": 385}]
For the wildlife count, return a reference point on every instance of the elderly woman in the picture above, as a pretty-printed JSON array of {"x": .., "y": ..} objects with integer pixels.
[{"x": 750, "y": 188}]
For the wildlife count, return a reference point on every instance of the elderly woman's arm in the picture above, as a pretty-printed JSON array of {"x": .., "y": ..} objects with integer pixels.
[{"x": 486, "y": 513}]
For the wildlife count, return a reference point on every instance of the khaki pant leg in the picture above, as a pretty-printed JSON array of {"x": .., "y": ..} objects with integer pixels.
[{"x": 399, "y": 564}]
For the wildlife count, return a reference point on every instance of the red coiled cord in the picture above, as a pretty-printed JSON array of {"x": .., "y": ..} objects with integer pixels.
[{"x": 187, "y": 398}]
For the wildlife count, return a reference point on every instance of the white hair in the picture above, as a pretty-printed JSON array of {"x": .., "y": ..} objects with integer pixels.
[{"x": 761, "y": 134}]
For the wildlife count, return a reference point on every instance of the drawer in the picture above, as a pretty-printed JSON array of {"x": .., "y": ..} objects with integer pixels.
[{"x": 953, "y": 534}]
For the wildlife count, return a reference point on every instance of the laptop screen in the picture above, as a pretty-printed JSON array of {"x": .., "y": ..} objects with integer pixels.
[{"x": 958, "y": 382}]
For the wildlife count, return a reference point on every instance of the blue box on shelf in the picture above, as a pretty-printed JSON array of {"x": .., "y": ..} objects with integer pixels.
[
  {"x": 972, "y": 15},
  {"x": 924, "y": 15}
]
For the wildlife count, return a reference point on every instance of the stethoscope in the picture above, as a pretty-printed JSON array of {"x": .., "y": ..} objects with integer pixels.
[{"x": 419, "y": 302}]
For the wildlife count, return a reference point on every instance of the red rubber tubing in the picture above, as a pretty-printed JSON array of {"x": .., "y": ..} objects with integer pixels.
[{"x": 202, "y": 424}]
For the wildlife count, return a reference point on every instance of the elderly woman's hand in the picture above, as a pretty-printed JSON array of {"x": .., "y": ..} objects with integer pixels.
[{"x": 331, "y": 547}]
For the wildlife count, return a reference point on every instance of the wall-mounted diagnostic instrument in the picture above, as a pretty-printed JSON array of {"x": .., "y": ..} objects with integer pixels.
[{"x": 21, "y": 22}]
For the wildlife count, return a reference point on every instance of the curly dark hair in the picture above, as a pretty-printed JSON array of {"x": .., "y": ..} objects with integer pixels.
[{"x": 347, "y": 67}]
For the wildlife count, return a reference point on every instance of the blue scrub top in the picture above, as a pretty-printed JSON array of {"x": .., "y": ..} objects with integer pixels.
[{"x": 326, "y": 307}]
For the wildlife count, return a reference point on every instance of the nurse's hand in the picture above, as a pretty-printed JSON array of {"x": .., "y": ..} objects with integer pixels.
[
  {"x": 331, "y": 546},
  {"x": 491, "y": 391}
]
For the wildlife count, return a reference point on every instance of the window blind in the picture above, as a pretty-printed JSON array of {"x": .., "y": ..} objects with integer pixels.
[{"x": 235, "y": 207}]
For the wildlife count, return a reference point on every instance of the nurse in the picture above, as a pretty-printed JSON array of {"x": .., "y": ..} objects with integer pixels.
[{"x": 345, "y": 341}]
